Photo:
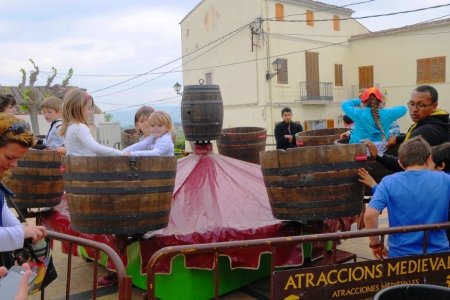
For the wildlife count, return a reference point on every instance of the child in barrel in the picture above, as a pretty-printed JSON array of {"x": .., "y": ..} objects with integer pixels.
[
  {"x": 371, "y": 120},
  {"x": 141, "y": 121},
  {"x": 159, "y": 143},
  {"x": 78, "y": 140},
  {"x": 51, "y": 108}
]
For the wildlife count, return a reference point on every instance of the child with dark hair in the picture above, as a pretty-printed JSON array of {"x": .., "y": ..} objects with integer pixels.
[
  {"x": 141, "y": 121},
  {"x": 8, "y": 104},
  {"x": 371, "y": 120}
]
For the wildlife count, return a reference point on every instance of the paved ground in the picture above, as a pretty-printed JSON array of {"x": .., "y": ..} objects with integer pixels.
[{"x": 82, "y": 273}]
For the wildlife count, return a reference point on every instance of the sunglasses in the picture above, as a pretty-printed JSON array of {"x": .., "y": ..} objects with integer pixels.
[{"x": 18, "y": 128}]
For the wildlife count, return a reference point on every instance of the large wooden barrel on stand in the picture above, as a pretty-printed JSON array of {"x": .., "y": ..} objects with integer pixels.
[
  {"x": 314, "y": 183},
  {"x": 242, "y": 143},
  {"x": 119, "y": 195},
  {"x": 37, "y": 180},
  {"x": 201, "y": 112}
]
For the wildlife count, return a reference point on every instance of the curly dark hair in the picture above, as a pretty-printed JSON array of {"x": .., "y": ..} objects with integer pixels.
[{"x": 6, "y": 100}]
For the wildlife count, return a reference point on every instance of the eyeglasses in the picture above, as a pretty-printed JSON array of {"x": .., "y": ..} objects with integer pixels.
[
  {"x": 419, "y": 106},
  {"x": 18, "y": 128}
]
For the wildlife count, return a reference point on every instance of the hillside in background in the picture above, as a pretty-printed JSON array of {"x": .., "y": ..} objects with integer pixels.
[{"x": 126, "y": 117}]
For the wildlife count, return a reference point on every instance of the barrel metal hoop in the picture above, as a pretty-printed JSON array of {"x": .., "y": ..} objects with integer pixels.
[
  {"x": 118, "y": 190},
  {"x": 309, "y": 183},
  {"x": 28, "y": 177},
  {"x": 313, "y": 168},
  {"x": 316, "y": 216},
  {"x": 202, "y": 124},
  {"x": 119, "y": 176},
  {"x": 105, "y": 217},
  {"x": 38, "y": 196},
  {"x": 202, "y": 102},
  {"x": 39, "y": 164},
  {"x": 315, "y": 203}
]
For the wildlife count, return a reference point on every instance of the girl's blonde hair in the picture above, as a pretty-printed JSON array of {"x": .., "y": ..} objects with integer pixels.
[
  {"x": 375, "y": 106},
  {"x": 74, "y": 101},
  {"x": 160, "y": 118}
]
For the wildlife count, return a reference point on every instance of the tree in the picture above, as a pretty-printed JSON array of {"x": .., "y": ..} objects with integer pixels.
[{"x": 33, "y": 96}]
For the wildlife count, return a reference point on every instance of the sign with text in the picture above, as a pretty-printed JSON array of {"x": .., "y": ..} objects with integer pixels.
[{"x": 361, "y": 280}]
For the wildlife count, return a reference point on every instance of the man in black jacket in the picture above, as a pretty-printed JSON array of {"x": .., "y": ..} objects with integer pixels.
[
  {"x": 430, "y": 122},
  {"x": 285, "y": 131}
]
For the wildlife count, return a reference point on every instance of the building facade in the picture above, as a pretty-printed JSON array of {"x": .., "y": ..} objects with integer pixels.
[{"x": 321, "y": 57}]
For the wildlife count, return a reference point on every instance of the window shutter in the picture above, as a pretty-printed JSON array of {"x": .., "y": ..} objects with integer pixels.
[
  {"x": 279, "y": 12},
  {"x": 309, "y": 18},
  {"x": 338, "y": 80},
  {"x": 431, "y": 70},
  {"x": 330, "y": 123},
  {"x": 336, "y": 23}
]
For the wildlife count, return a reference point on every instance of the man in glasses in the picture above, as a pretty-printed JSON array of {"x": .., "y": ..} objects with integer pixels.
[{"x": 430, "y": 122}]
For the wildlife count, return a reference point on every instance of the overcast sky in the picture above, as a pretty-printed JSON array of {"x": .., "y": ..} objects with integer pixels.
[{"x": 115, "y": 37}]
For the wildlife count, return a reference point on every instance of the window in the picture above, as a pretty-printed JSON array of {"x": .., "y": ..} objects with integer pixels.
[
  {"x": 279, "y": 12},
  {"x": 338, "y": 81},
  {"x": 309, "y": 18},
  {"x": 336, "y": 23},
  {"x": 431, "y": 70},
  {"x": 365, "y": 77},
  {"x": 208, "y": 78},
  {"x": 282, "y": 75}
]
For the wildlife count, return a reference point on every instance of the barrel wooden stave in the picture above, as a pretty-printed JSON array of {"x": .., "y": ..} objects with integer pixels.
[
  {"x": 242, "y": 143},
  {"x": 136, "y": 202},
  {"x": 201, "y": 112},
  {"x": 317, "y": 137},
  {"x": 37, "y": 180},
  {"x": 313, "y": 183}
]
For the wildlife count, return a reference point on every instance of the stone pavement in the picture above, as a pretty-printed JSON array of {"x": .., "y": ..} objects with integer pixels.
[{"x": 82, "y": 273}]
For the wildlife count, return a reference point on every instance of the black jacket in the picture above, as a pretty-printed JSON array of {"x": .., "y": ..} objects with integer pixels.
[
  {"x": 435, "y": 129},
  {"x": 282, "y": 129}
]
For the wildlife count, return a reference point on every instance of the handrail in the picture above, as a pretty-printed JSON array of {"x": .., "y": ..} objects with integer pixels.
[
  {"x": 124, "y": 281},
  {"x": 217, "y": 248}
]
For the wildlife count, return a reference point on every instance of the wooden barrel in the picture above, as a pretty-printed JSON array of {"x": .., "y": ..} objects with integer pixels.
[
  {"x": 119, "y": 195},
  {"x": 201, "y": 112},
  {"x": 37, "y": 180},
  {"x": 314, "y": 183},
  {"x": 129, "y": 137},
  {"x": 242, "y": 143},
  {"x": 318, "y": 137},
  {"x": 375, "y": 169}
]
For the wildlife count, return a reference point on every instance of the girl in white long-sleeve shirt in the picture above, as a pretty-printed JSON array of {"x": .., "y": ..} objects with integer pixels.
[
  {"x": 78, "y": 139},
  {"x": 159, "y": 143}
]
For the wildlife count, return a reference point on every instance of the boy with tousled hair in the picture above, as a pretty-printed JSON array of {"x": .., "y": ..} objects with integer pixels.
[
  {"x": 413, "y": 197},
  {"x": 51, "y": 108}
]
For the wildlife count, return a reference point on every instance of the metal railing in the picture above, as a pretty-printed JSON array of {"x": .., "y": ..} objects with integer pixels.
[
  {"x": 124, "y": 281},
  {"x": 316, "y": 91},
  {"x": 271, "y": 244}
]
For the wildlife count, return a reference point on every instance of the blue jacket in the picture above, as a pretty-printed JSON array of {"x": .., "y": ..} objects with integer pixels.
[{"x": 364, "y": 124}]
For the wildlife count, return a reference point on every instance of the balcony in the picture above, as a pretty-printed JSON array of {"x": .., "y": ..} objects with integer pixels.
[{"x": 315, "y": 92}]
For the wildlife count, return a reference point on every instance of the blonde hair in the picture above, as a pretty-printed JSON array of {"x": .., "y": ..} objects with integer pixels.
[
  {"x": 52, "y": 102},
  {"x": 74, "y": 101},
  {"x": 160, "y": 118},
  {"x": 15, "y": 130}
]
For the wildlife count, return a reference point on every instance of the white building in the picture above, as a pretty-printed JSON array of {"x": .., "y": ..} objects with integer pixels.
[{"x": 324, "y": 57}]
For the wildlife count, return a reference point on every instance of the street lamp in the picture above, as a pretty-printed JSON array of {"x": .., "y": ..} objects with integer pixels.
[
  {"x": 276, "y": 65},
  {"x": 177, "y": 88}
]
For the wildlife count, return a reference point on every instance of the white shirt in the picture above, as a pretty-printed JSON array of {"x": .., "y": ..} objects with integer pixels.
[
  {"x": 150, "y": 146},
  {"x": 11, "y": 233},
  {"x": 78, "y": 141}
]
